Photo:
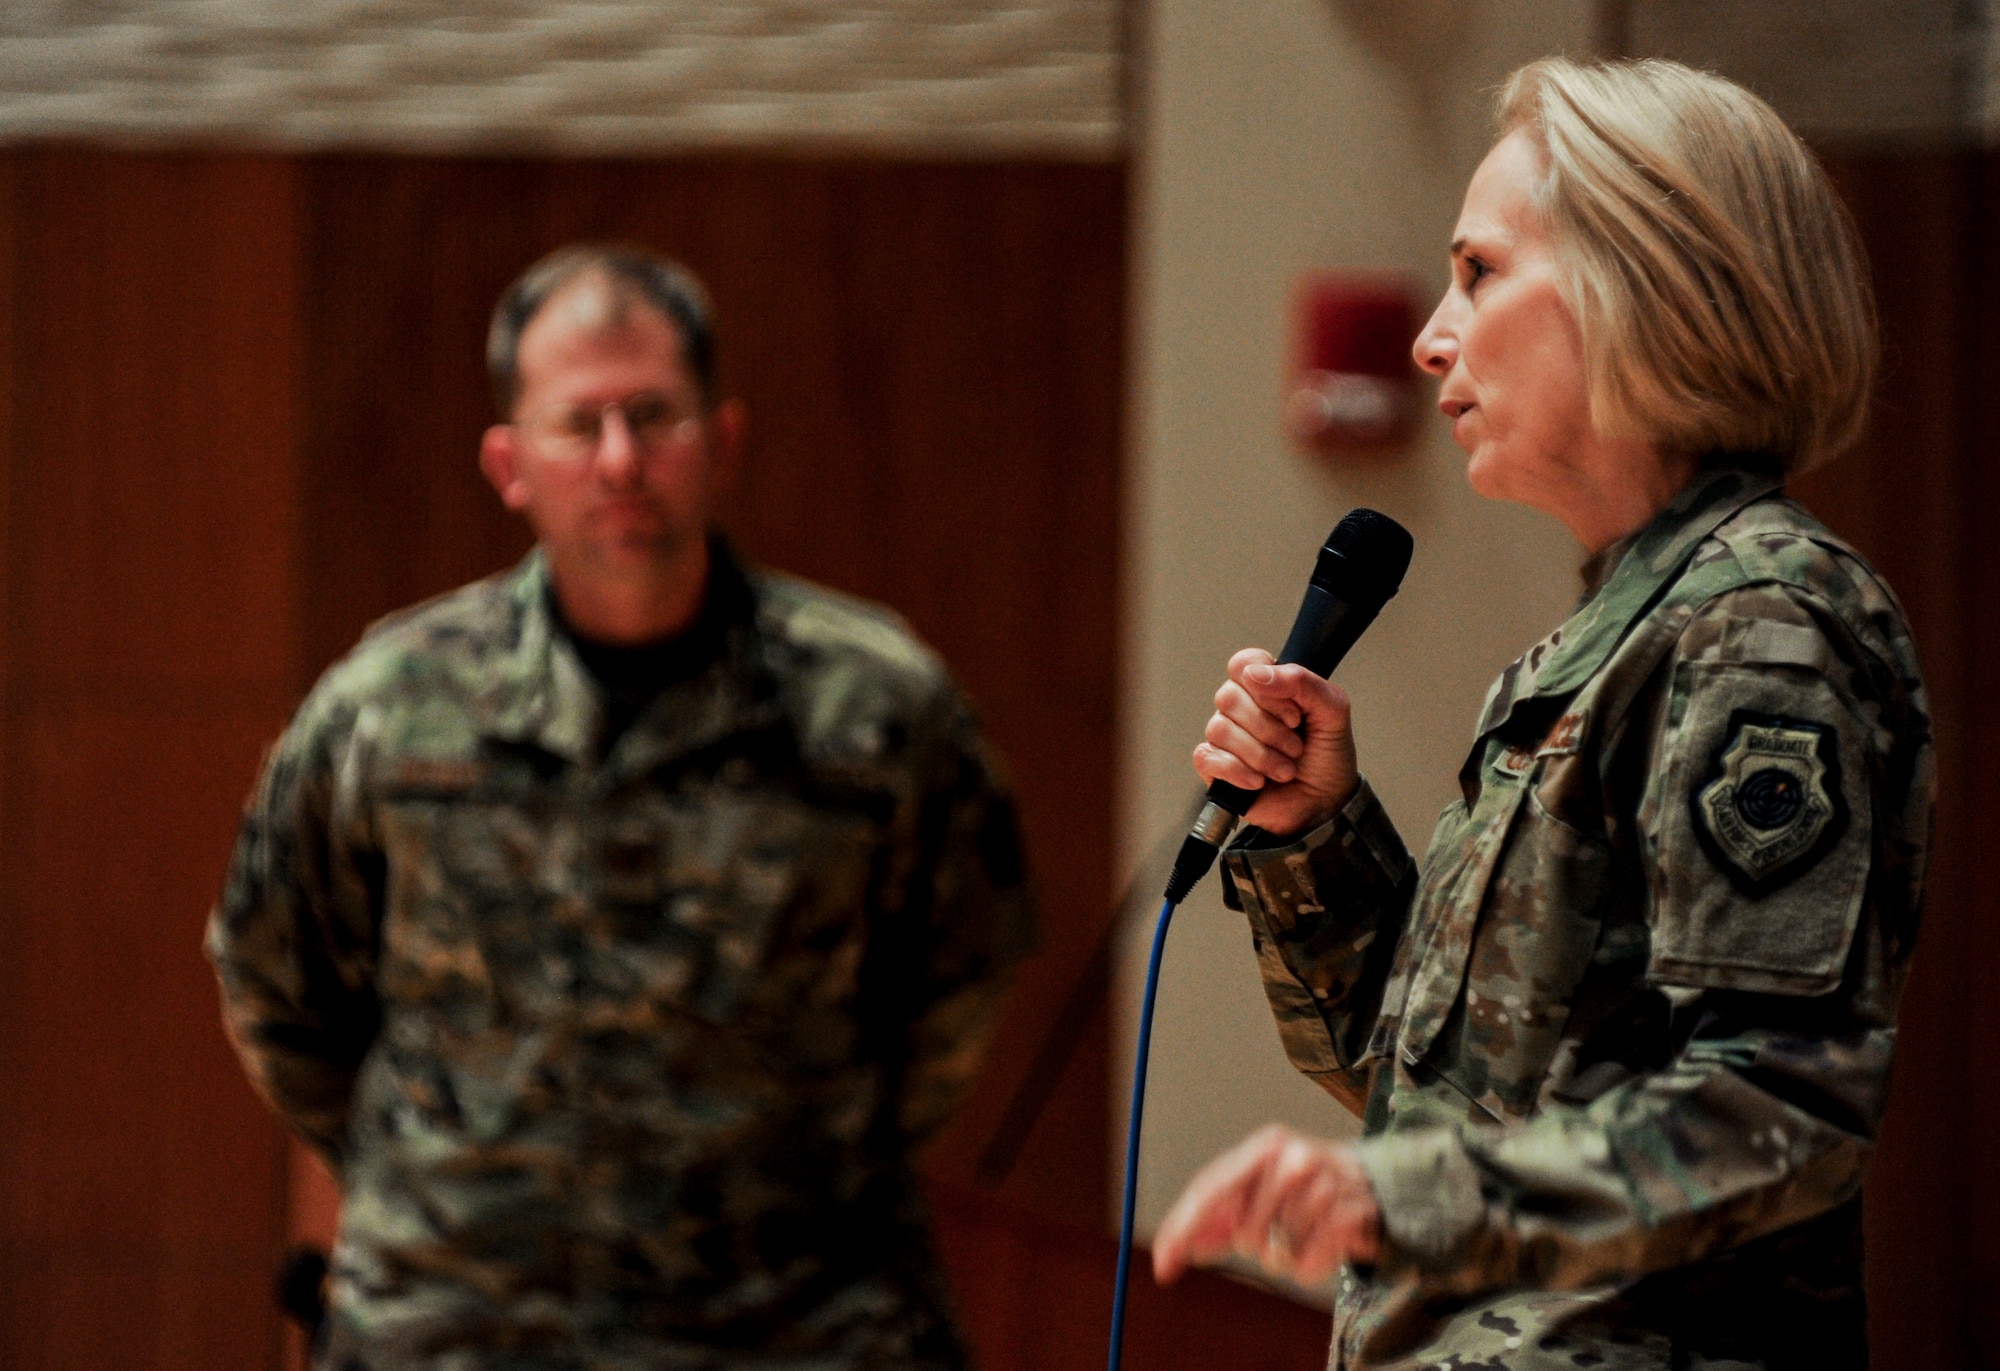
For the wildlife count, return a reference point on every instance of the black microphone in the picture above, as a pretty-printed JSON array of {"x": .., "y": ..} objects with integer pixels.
[{"x": 1359, "y": 570}]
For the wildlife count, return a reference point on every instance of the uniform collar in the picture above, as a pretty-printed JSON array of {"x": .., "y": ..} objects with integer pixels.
[
  {"x": 537, "y": 692},
  {"x": 1596, "y": 570},
  {"x": 1567, "y": 658},
  {"x": 542, "y": 695}
]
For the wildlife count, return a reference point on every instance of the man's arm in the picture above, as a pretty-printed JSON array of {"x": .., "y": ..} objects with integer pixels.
[
  {"x": 292, "y": 941},
  {"x": 973, "y": 917}
]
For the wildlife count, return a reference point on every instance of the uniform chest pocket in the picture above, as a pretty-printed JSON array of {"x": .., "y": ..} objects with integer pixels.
[
  {"x": 1525, "y": 925},
  {"x": 1429, "y": 971},
  {"x": 481, "y": 892},
  {"x": 530, "y": 907},
  {"x": 1538, "y": 927},
  {"x": 730, "y": 904}
]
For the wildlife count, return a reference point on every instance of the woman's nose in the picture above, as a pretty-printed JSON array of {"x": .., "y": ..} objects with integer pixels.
[{"x": 1436, "y": 347}]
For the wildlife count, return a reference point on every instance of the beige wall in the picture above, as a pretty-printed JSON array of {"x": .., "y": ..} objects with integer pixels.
[{"x": 1280, "y": 136}]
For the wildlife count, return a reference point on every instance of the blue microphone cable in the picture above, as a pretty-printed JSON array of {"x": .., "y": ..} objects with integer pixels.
[
  {"x": 1167, "y": 908},
  {"x": 1357, "y": 572},
  {"x": 1212, "y": 827}
]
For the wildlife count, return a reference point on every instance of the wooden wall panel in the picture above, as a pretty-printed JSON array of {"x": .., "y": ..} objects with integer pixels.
[
  {"x": 932, "y": 360},
  {"x": 148, "y": 602}
]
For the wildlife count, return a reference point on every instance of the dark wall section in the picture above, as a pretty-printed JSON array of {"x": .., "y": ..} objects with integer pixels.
[
  {"x": 1920, "y": 498},
  {"x": 147, "y": 609}
]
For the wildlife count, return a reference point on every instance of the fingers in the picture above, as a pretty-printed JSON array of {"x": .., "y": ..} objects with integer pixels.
[
  {"x": 1316, "y": 1213},
  {"x": 1249, "y": 657},
  {"x": 1285, "y": 732},
  {"x": 1205, "y": 1220},
  {"x": 1213, "y": 764},
  {"x": 1295, "y": 691},
  {"x": 1255, "y": 738},
  {"x": 1291, "y": 692},
  {"x": 1253, "y": 673},
  {"x": 1326, "y": 1215},
  {"x": 1337, "y": 1215},
  {"x": 1298, "y": 1164},
  {"x": 1276, "y": 727},
  {"x": 1297, "y": 1206}
]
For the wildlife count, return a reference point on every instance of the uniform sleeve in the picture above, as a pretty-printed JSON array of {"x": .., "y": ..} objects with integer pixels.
[
  {"x": 292, "y": 942},
  {"x": 1786, "y": 797},
  {"x": 1325, "y": 915},
  {"x": 973, "y": 919}
]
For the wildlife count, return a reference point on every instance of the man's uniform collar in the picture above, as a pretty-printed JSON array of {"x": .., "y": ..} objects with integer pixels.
[{"x": 543, "y": 696}]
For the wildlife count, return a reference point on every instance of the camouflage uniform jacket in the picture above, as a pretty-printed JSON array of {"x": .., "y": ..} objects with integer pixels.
[
  {"x": 1621, "y": 1043},
  {"x": 620, "y": 1055}
]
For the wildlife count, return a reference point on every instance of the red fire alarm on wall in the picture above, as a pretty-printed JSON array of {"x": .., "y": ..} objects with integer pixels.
[{"x": 1353, "y": 387}]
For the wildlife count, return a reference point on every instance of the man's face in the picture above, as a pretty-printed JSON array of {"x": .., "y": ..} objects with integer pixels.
[{"x": 611, "y": 455}]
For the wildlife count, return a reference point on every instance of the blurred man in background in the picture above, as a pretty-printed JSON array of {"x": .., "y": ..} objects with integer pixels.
[{"x": 616, "y": 926}]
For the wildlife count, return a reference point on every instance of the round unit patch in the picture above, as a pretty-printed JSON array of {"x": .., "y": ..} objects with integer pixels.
[{"x": 1770, "y": 806}]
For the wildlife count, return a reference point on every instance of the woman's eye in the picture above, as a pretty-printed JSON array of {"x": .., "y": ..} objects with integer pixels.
[{"x": 1475, "y": 272}]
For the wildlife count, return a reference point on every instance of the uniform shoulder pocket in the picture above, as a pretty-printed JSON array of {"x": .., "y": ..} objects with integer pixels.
[{"x": 1763, "y": 829}]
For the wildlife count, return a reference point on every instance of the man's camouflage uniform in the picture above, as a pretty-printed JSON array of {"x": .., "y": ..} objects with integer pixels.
[
  {"x": 620, "y": 1055},
  {"x": 1621, "y": 1044}
]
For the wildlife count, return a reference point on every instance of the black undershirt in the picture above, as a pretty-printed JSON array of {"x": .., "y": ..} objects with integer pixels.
[{"x": 632, "y": 675}]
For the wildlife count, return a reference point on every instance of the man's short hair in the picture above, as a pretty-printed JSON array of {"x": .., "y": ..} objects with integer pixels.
[{"x": 640, "y": 276}]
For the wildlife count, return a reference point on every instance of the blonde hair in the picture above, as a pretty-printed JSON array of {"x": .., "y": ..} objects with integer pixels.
[{"x": 1716, "y": 278}]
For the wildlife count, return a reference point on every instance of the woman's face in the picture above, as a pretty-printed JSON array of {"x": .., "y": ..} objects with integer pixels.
[{"x": 1507, "y": 348}]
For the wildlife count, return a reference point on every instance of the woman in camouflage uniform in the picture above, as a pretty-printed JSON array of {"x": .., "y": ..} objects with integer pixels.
[{"x": 1621, "y": 1041}]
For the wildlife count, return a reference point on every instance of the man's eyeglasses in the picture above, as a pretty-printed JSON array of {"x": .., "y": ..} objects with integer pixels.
[{"x": 656, "y": 424}]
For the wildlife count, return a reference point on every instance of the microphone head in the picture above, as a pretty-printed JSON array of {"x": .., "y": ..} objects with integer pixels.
[{"x": 1365, "y": 557}]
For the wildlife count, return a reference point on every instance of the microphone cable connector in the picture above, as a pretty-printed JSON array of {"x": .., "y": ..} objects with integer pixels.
[{"x": 1211, "y": 830}]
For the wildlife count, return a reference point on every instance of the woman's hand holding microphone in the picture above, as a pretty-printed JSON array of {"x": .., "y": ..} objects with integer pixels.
[
  {"x": 1252, "y": 741},
  {"x": 1298, "y": 1206}
]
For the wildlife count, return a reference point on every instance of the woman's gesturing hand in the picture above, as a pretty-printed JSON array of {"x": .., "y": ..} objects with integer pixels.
[
  {"x": 1298, "y": 1206},
  {"x": 1252, "y": 741}
]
